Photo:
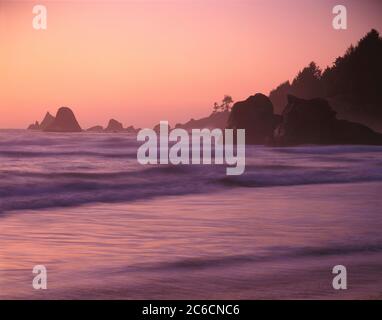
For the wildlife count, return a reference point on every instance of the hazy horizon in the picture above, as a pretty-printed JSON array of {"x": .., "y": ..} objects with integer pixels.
[{"x": 141, "y": 62}]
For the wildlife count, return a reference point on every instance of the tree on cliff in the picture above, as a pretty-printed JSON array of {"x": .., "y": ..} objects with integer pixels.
[
  {"x": 359, "y": 72},
  {"x": 307, "y": 84},
  {"x": 356, "y": 76},
  {"x": 224, "y": 106}
]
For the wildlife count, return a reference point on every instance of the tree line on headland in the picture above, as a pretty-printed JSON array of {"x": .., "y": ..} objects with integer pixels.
[{"x": 353, "y": 85}]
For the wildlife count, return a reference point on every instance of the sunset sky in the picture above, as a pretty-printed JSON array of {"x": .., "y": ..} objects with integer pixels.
[{"x": 144, "y": 61}]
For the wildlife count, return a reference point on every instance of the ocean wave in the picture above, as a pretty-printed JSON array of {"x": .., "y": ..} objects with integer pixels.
[
  {"x": 270, "y": 254},
  {"x": 41, "y": 190},
  {"x": 45, "y": 190},
  {"x": 299, "y": 177},
  {"x": 89, "y": 168},
  {"x": 328, "y": 150},
  {"x": 46, "y": 154}
]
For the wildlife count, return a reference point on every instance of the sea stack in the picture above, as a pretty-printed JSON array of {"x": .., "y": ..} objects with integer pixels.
[
  {"x": 47, "y": 121},
  {"x": 131, "y": 129},
  {"x": 114, "y": 126},
  {"x": 65, "y": 121},
  {"x": 34, "y": 126},
  {"x": 314, "y": 121},
  {"x": 256, "y": 116},
  {"x": 95, "y": 129}
]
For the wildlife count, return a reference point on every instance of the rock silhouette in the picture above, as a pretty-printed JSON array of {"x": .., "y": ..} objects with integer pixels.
[
  {"x": 157, "y": 128},
  {"x": 95, "y": 129},
  {"x": 65, "y": 121},
  {"x": 215, "y": 120},
  {"x": 314, "y": 122},
  {"x": 131, "y": 129},
  {"x": 256, "y": 116},
  {"x": 34, "y": 126},
  {"x": 114, "y": 126},
  {"x": 47, "y": 121}
]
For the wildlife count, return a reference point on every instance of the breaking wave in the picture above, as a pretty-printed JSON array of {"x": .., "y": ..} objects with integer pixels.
[{"x": 42, "y": 170}]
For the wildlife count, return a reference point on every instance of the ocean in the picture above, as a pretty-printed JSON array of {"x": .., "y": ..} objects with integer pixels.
[{"x": 107, "y": 227}]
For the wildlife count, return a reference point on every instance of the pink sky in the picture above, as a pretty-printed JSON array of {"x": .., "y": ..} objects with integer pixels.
[{"x": 145, "y": 61}]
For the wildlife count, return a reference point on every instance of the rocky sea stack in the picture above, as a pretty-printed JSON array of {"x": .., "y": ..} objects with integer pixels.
[
  {"x": 47, "y": 121},
  {"x": 114, "y": 126},
  {"x": 314, "y": 121},
  {"x": 256, "y": 116},
  {"x": 131, "y": 129},
  {"x": 34, "y": 126},
  {"x": 95, "y": 129},
  {"x": 65, "y": 121}
]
